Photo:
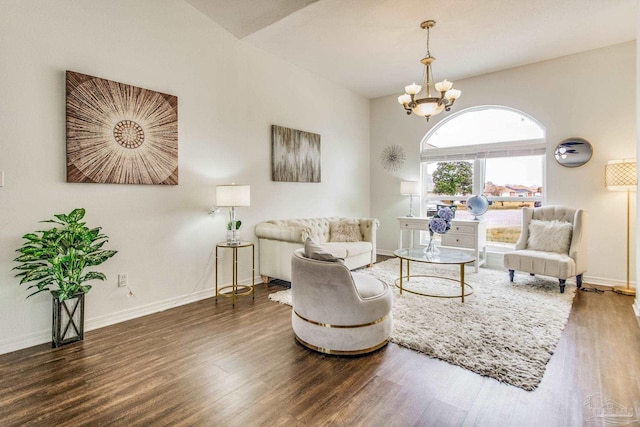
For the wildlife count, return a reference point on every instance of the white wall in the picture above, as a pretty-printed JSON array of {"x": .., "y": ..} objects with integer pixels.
[
  {"x": 589, "y": 95},
  {"x": 229, "y": 95}
]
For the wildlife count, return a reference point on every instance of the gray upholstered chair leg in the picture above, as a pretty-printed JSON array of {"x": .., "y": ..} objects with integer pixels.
[
  {"x": 579, "y": 281},
  {"x": 562, "y": 285},
  {"x": 511, "y": 272}
]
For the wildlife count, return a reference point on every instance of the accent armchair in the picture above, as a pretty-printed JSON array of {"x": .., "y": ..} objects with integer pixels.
[
  {"x": 336, "y": 311},
  {"x": 552, "y": 243}
]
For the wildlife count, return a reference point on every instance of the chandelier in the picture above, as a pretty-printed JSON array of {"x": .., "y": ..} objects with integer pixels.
[{"x": 429, "y": 105}]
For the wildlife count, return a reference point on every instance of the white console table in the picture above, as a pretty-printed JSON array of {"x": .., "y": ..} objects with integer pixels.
[{"x": 470, "y": 235}]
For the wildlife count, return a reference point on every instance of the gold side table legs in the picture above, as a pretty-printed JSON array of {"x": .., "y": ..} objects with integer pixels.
[
  {"x": 408, "y": 273},
  {"x": 236, "y": 290},
  {"x": 401, "y": 276},
  {"x": 462, "y": 281}
]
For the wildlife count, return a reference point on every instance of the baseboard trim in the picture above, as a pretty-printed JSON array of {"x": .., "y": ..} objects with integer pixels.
[
  {"x": 603, "y": 281},
  {"x": 25, "y": 341},
  {"x": 43, "y": 337},
  {"x": 384, "y": 252}
]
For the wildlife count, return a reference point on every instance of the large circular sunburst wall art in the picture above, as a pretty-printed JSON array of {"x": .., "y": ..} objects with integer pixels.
[
  {"x": 120, "y": 134},
  {"x": 392, "y": 158}
]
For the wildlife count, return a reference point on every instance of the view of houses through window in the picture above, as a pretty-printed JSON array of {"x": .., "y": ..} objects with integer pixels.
[{"x": 495, "y": 151}]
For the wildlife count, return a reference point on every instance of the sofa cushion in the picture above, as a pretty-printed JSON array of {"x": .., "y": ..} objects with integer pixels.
[
  {"x": 318, "y": 227},
  {"x": 549, "y": 236},
  {"x": 314, "y": 251},
  {"x": 345, "y": 230},
  {"x": 347, "y": 249},
  {"x": 337, "y": 250}
]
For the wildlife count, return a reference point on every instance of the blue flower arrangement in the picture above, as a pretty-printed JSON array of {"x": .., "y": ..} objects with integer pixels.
[{"x": 441, "y": 222}]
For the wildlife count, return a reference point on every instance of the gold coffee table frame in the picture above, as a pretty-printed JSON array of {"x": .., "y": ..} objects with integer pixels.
[
  {"x": 236, "y": 289},
  {"x": 445, "y": 257}
]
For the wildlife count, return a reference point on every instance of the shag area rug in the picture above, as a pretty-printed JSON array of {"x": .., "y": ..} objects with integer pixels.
[{"x": 507, "y": 331}]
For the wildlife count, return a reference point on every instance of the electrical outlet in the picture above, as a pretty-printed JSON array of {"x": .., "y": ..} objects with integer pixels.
[{"x": 123, "y": 280}]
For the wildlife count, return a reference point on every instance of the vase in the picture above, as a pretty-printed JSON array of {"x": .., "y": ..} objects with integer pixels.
[
  {"x": 68, "y": 319},
  {"x": 431, "y": 250},
  {"x": 233, "y": 237}
]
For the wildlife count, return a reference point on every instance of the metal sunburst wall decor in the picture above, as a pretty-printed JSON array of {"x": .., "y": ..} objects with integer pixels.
[
  {"x": 392, "y": 158},
  {"x": 121, "y": 134}
]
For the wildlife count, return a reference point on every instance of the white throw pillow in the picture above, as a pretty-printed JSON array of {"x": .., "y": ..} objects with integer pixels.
[
  {"x": 344, "y": 231},
  {"x": 550, "y": 236},
  {"x": 314, "y": 251}
]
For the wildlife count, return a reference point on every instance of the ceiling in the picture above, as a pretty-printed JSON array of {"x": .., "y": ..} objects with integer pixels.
[{"x": 373, "y": 47}]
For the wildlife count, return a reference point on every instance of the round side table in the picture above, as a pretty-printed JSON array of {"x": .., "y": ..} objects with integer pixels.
[{"x": 236, "y": 289}]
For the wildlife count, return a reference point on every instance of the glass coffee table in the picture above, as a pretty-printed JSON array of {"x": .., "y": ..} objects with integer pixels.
[{"x": 445, "y": 257}]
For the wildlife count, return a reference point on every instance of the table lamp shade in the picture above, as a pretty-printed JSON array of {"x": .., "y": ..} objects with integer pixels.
[
  {"x": 620, "y": 175},
  {"x": 410, "y": 188},
  {"x": 233, "y": 195}
]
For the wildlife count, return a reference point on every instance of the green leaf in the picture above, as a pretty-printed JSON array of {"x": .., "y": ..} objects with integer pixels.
[
  {"x": 44, "y": 283},
  {"x": 29, "y": 266},
  {"x": 76, "y": 215},
  {"x": 230, "y": 225},
  {"x": 28, "y": 258},
  {"x": 30, "y": 276},
  {"x": 35, "y": 267},
  {"x": 36, "y": 292},
  {"x": 98, "y": 258},
  {"x": 93, "y": 275},
  {"x": 30, "y": 249},
  {"x": 32, "y": 237},
  {"x": 97, "y": 245}
]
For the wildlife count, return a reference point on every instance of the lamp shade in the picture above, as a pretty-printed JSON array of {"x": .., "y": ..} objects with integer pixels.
[
  {"x": 233, "y": 195},
  {"x": 410, "y": 188},
  {"x": 620, "y": 175}
]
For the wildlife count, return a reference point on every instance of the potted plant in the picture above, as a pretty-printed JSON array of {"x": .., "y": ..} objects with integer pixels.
[
  {"x": 233, "y": 231},
  {"x": 55, "y": 260}
]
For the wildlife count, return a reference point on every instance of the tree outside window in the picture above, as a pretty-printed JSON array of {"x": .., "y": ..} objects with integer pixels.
[{"x": 453, "y": 178}]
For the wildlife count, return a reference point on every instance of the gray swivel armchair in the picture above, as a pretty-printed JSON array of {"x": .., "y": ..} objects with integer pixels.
[{"x": 336, "y": 311}]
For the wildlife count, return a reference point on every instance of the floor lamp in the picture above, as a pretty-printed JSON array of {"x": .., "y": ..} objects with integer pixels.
[
  {"x": 620, "y": 175},
  {"x": 410, "y": 188}
]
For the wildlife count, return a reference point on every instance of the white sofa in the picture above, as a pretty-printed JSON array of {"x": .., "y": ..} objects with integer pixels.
[{"x": 279, "y": 239}]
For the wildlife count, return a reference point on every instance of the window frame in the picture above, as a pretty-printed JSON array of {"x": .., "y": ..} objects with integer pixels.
[{"x": 477, "y": 154}]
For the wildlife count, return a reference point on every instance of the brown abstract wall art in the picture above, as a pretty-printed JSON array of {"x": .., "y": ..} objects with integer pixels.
[
  {"x": 295, "y": 155},
  {"x": 121, "y": 134}
]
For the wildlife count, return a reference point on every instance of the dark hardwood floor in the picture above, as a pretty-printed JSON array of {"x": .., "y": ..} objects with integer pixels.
[{"x": 208, "y": 364}]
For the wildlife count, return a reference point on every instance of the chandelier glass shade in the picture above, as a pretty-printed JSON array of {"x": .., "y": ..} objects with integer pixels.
[{"x": 428, "y": 105}]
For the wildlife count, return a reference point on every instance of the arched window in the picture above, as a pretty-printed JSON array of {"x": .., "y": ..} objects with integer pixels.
[{"x": 492, "y": 150}]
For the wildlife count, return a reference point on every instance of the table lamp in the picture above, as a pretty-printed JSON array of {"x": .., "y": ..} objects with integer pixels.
[
  {"x": 233, "y": 196},
  {"x": 620, "y": 175},
  {"x": 410, "y": 188}
]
